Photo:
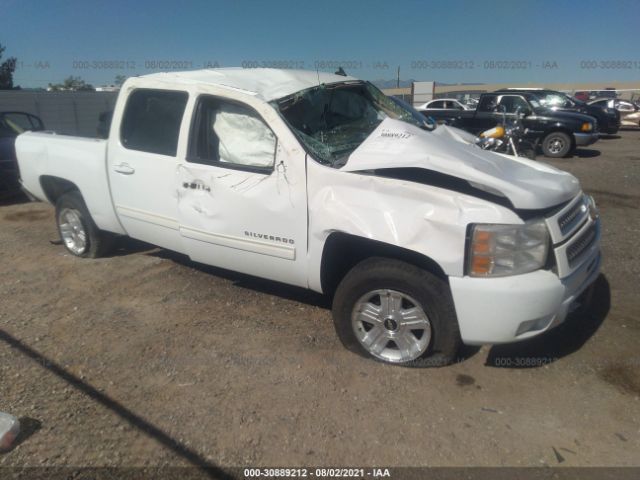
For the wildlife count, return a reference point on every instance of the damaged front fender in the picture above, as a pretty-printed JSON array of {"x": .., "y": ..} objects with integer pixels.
[{"x": 431, "y": 221}]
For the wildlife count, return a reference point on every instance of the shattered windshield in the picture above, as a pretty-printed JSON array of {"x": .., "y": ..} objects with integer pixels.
[{"x": 333, "y": 120}]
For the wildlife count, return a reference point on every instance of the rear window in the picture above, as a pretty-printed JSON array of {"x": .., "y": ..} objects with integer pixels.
[{"x": 151, "y": 121}]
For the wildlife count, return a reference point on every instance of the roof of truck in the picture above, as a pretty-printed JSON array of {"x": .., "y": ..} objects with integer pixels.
[{"x": 266, "y": 83}]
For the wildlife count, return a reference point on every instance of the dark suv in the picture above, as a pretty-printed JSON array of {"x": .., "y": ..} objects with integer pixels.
[{"x": 608, "y": 118}]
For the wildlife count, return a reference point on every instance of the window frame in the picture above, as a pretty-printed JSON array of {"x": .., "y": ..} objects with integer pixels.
[
  {"x": 124, "y": 115},
  {"x": 192, "y": 144},
  {"x": 526, "y": 112}
]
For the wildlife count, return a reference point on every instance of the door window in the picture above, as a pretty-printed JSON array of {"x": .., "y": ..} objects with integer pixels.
[
  {"x": 151, "y": 121},
  {"x": 229, "y": 134}
]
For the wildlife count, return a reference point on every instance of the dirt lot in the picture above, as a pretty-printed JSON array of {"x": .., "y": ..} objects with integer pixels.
[{"x": 145, "y": 358}]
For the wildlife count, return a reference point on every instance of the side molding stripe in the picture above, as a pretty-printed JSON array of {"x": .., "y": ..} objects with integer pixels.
[
  {"x": 273, "y": 250},
  {"x": 148, "y": 217}
]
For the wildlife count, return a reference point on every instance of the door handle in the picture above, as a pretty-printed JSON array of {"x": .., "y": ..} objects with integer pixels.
[{"x": 124, "y": 168}]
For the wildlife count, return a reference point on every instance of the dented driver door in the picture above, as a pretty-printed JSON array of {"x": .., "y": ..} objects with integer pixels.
[{"x": 241, "y": 196}]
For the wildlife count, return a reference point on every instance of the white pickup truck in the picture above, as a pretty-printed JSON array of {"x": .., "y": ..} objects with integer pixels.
[{"x": 423, "y": 240}]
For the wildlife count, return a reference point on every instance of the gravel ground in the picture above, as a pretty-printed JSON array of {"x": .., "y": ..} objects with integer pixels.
[{"x": 146, "y": 359}]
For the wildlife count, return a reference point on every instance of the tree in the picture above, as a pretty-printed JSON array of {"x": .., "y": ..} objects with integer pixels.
[
  {"x": 73, "y": 84},
  {"x": 120, "y": 79},
  {"x": 6, "y": 71}
]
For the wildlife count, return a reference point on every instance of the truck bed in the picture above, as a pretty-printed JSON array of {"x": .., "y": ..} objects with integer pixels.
[{"x": 47, "y": 159}]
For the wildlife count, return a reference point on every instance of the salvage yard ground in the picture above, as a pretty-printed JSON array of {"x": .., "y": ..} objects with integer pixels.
[{"x": 145, "y": 358}]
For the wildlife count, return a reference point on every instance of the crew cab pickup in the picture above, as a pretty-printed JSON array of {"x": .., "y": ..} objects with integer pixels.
[
  {"x": 423, "y": 240},
  {"x": 557, "y": 133}
]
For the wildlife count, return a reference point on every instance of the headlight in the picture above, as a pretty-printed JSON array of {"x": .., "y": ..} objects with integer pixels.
[
  {"x": 586, "y": 127},
  {"x": 497, "y": 250},
  {"x": 593, "y": 209}
]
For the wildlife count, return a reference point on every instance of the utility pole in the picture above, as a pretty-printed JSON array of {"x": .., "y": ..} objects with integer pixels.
[{"x": 398, "y": 78}]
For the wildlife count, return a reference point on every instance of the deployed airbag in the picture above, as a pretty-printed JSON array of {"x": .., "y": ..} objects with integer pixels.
[{"x": 243, "y": 137}]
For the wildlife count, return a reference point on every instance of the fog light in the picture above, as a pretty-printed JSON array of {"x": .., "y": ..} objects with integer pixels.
[{"x": 533, "y": 325}]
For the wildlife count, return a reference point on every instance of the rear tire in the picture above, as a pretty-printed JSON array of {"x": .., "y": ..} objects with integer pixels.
[
  {"x": 557, "y": 145},
  {"x": 79, "y": 233},
  {"x": 396, "y": 313}
]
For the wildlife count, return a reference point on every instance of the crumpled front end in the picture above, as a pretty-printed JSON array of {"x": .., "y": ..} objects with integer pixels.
[{"x": 425, "y": 219}]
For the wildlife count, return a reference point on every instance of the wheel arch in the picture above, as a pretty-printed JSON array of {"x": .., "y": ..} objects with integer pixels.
[
  {"x": 342, "y": 251},
  {"x": 54, "y": 187}
]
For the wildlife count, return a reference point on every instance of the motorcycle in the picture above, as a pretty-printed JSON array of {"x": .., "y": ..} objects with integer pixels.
[{"x": 508, "y": 138}]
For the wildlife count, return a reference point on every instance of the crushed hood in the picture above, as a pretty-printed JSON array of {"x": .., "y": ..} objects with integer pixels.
[{"x": 525, "y": 183}]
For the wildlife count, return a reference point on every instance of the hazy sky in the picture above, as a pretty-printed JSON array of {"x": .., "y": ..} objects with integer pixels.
[{"x": 448, "y": 41}]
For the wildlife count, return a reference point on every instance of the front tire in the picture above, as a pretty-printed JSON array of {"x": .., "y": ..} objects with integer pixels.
[
  {"x": 556, "y": 145},
  {"x": 79, "y": 233},
  {"x": 397, "y": 313}
]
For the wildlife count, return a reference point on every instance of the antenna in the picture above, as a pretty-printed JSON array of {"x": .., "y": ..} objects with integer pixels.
[{"x": 318, "y": 74}]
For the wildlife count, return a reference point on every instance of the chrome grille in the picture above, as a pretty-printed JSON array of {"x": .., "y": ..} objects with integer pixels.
[
  {"x": 575, "y": 215},
  {"x": 580, "y": 245},
  {"x": 574, "y": 235}
]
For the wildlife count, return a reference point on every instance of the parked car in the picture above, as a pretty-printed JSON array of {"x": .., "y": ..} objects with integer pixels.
[
  {"x": 13, "y": 124},
  {"x": 557, "y": 133},
  {"x": 629, "y": 112},
  {"x": 322, "y": 181},
  {"x": 608, "y": 119},
  {"x": 446, "y": 108},
  {"x": 443, "y": 104}
]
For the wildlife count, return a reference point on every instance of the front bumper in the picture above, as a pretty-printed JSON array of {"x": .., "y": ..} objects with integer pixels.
[
  {"x": 509, "y": 309},
  {"x": 584, "y": 139}
]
